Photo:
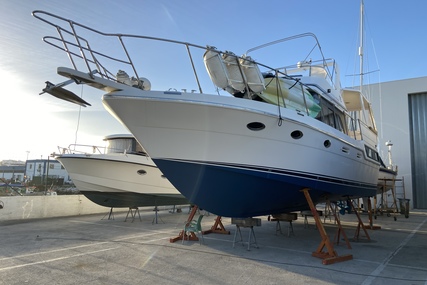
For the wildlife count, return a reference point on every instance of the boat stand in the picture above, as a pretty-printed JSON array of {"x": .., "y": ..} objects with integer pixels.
[
  {"x": 384, "y": 203},
  {"x": 284, "y": 217},
  {"x": 251, "y": 233},
  {"x": 371, "y": 224},
  {"x": 333, "y": 211},
  {"x": 330, "y": 256},
  {"x": 110, "y": 214},
  {"x": 133, "y": 211},
  {"x": 156, "y": 216},
  {"x": 182, "y": 234},
  {"x": 359, "y": 224},
  {"x": 217, "y": 228}
]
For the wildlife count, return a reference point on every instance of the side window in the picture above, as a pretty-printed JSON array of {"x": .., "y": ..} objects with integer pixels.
[
  {"x": 339, "y": 118},
  {"x": 371, "y": 153}
]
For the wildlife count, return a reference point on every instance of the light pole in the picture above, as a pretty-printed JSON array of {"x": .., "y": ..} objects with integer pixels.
[{"x": 389, "y": 144}]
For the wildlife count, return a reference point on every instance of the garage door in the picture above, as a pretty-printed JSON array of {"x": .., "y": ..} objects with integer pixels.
[{"x": 418, "y": 136}]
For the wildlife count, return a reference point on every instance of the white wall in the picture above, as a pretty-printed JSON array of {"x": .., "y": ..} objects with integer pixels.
[
  {"x": 390, "y": 105},
  {"x": 35, "y": 207}
]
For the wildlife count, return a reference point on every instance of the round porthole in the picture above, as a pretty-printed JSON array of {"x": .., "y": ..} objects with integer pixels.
[
  {"x": 141, "y": 172},
  {"x": 256, "y": 126},
  {"x": 327, "y": 143},
  {"x": 296, "y": 135}
]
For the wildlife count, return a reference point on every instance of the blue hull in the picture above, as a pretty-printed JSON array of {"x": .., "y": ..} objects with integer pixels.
[{"x": 249, "y": 191}]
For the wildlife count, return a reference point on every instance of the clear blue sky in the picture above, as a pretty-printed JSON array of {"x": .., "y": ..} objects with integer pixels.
[{"x": 36, "y": 125}]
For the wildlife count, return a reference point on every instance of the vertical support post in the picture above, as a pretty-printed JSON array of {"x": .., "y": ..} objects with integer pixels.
[
  {"x": 340, "y": 228},
  {"x": 330, "y": 256},
  {"x": 359, "y": 224},
  {"x": 371, "y": 224}
]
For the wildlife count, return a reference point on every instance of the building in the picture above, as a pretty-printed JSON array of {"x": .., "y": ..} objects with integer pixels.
[
  {"x": 38, "y": 170},
  {"x": 14, "y": 173},
  {"x": 400, "y": 109}
]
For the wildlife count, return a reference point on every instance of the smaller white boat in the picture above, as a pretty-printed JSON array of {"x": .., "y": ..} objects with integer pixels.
[{"x": 119, "y": 175}]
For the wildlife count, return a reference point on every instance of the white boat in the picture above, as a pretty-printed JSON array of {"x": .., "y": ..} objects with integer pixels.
[
  {"x": 119, "y": 175},
  {"x": 236, "y": 155}
]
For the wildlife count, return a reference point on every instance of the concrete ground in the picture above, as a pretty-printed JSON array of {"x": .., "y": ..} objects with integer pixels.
[{"x": 92, "y": 249}]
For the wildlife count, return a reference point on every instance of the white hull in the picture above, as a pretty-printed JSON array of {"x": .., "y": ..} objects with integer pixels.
[
  {"x": 116, "y": 173},
  {"x": 130, "y": 178},
  {"x": 212, "y": 128}
]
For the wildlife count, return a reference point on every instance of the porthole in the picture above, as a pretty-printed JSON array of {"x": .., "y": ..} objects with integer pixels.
[
  {"x": 163, "y": 176},
  {"x": 141, "y": 172},
  {"x": 296, "y": 135},
  {"x": 327, "y": 143},
  {"x": 256, "y": 126}
]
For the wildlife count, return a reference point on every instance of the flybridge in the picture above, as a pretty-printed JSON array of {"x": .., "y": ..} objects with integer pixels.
[{"x": 309, "y": 87}]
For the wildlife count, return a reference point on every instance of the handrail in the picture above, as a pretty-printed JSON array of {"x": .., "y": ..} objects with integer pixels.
[
  {"x": 84, "y": 49},
  {"x": 38, "y": 14},
  {"x": 77, "y": 46},
  {"x": 93, "y": 149},
  {"x": 72, "y": 148}
]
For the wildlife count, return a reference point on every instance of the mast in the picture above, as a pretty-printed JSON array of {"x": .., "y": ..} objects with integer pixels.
[
  {"x": 361, "y": 44},
  {"x": 362, "y": 103}
]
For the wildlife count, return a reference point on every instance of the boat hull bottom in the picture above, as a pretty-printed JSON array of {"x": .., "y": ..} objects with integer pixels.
[
  {"x": 131, "y": 200},
  {"x": 236, "y": 191}
]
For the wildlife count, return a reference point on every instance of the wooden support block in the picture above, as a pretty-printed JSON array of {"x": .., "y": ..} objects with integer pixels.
[
  {"x": 217, "y": 228},
  {"x": 335, "y": 259}
]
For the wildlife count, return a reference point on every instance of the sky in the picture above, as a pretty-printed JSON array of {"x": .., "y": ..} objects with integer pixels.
[{"x": 33, "y": 126}]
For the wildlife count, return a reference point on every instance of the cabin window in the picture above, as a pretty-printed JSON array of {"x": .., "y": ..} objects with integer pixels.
[
  {"x": 327, "y": 143},
  {"x": 296, "y": 134},
  {"x": 255, "y": 126},
  {"x": 121, "y": 145},
  {"x": 371, "y": 153},
  {"x": 331, "y": 116},
  {"x": 339, "y": 119}
]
